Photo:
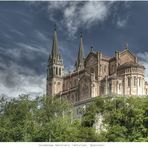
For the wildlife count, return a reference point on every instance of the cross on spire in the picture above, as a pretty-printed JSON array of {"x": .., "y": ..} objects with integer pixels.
[
  {"x": 55, "y": 27},
  {"x": 126, "y": 46},
  {"x": 81, "y": 34},
  {"x": 91, "y": 49}
]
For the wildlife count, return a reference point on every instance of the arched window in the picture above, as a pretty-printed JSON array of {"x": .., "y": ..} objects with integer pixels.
[
  {"x": 113, "y": 68},
  {"x": 53, "y": 70},
  {"x": 75, "y": 82},
  {"x": 119, "y": 86},
  {"x": 60, "y": 71},
  {"x": 139, "y": 81},
  {"x": 129, "y": 81},
  {"x": 134, "y": 81},
  {"x": 105, "y": 68},
  {"x": 91, "y": 70}
]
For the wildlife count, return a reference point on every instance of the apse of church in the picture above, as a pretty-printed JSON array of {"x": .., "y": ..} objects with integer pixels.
[{"x": 95, "y": 75}]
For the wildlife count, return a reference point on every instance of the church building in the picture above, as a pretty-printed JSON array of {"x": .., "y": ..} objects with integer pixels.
[{"x": 95, "y": 75}]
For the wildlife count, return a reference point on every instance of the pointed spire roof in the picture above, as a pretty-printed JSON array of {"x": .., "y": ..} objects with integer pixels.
[
  {"x": 55, "y": 49},
  {"x": 80, "y": 58}
]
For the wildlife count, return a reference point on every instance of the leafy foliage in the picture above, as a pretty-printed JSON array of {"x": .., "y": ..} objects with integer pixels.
[
  {"x": 125, "y": 119},
  {"x": 41, "y": 119},
  {"x": 49, "y": 119}
]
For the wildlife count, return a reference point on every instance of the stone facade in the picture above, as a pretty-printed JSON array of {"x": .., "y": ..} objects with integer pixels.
[{"x": 95, "y": 75}]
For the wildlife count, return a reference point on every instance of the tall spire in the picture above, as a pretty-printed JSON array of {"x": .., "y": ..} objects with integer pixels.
[
  {"x": 55, "y": 49},
  {"x": 80, "y": 58},
  {"x": 55, "y": 69}
]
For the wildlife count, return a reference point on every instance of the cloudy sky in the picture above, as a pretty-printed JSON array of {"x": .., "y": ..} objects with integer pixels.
[{"x": 26, "y": 31}]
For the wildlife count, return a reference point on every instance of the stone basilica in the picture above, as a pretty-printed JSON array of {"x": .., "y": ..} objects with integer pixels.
[{"x": 95, "y": 75}]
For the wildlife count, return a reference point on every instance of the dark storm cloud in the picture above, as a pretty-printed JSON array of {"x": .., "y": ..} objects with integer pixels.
[
  {"x": 26, "y": 31},
  {"x": 23, "y": 50}
]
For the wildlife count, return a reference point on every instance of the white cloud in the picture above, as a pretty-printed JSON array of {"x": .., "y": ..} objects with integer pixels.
[
  {"x": 14, "y": 83},
  {"x": 95, "y": 12},
  {"x": 22, "y": 68},
  {"x": 19, "y": 33},
  {"x": 33, "y": 48},
  {"x": 80, "y": 14},
  {"x": 41, "y": 36},
  {"x": 121, "y": 23},
  {"x": 143, "y": 59},
  {"x": 18, "y": 77}
]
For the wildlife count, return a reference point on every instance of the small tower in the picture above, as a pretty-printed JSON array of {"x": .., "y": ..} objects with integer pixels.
[
  {"x": 55, "y": 69},
  {"x": 80, "y": 59}
]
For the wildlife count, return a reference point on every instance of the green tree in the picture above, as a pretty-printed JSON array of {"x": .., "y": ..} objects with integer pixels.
[
  {"x": 49, "y": 119},
  {"x": 40, "y": 119},
  {"x": 125, "y": 118}
]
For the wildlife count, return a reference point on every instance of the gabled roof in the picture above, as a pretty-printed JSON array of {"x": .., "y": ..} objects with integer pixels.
[
  {"x": 89, "y": 54},
  {"x": 126, "y": 50}
]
